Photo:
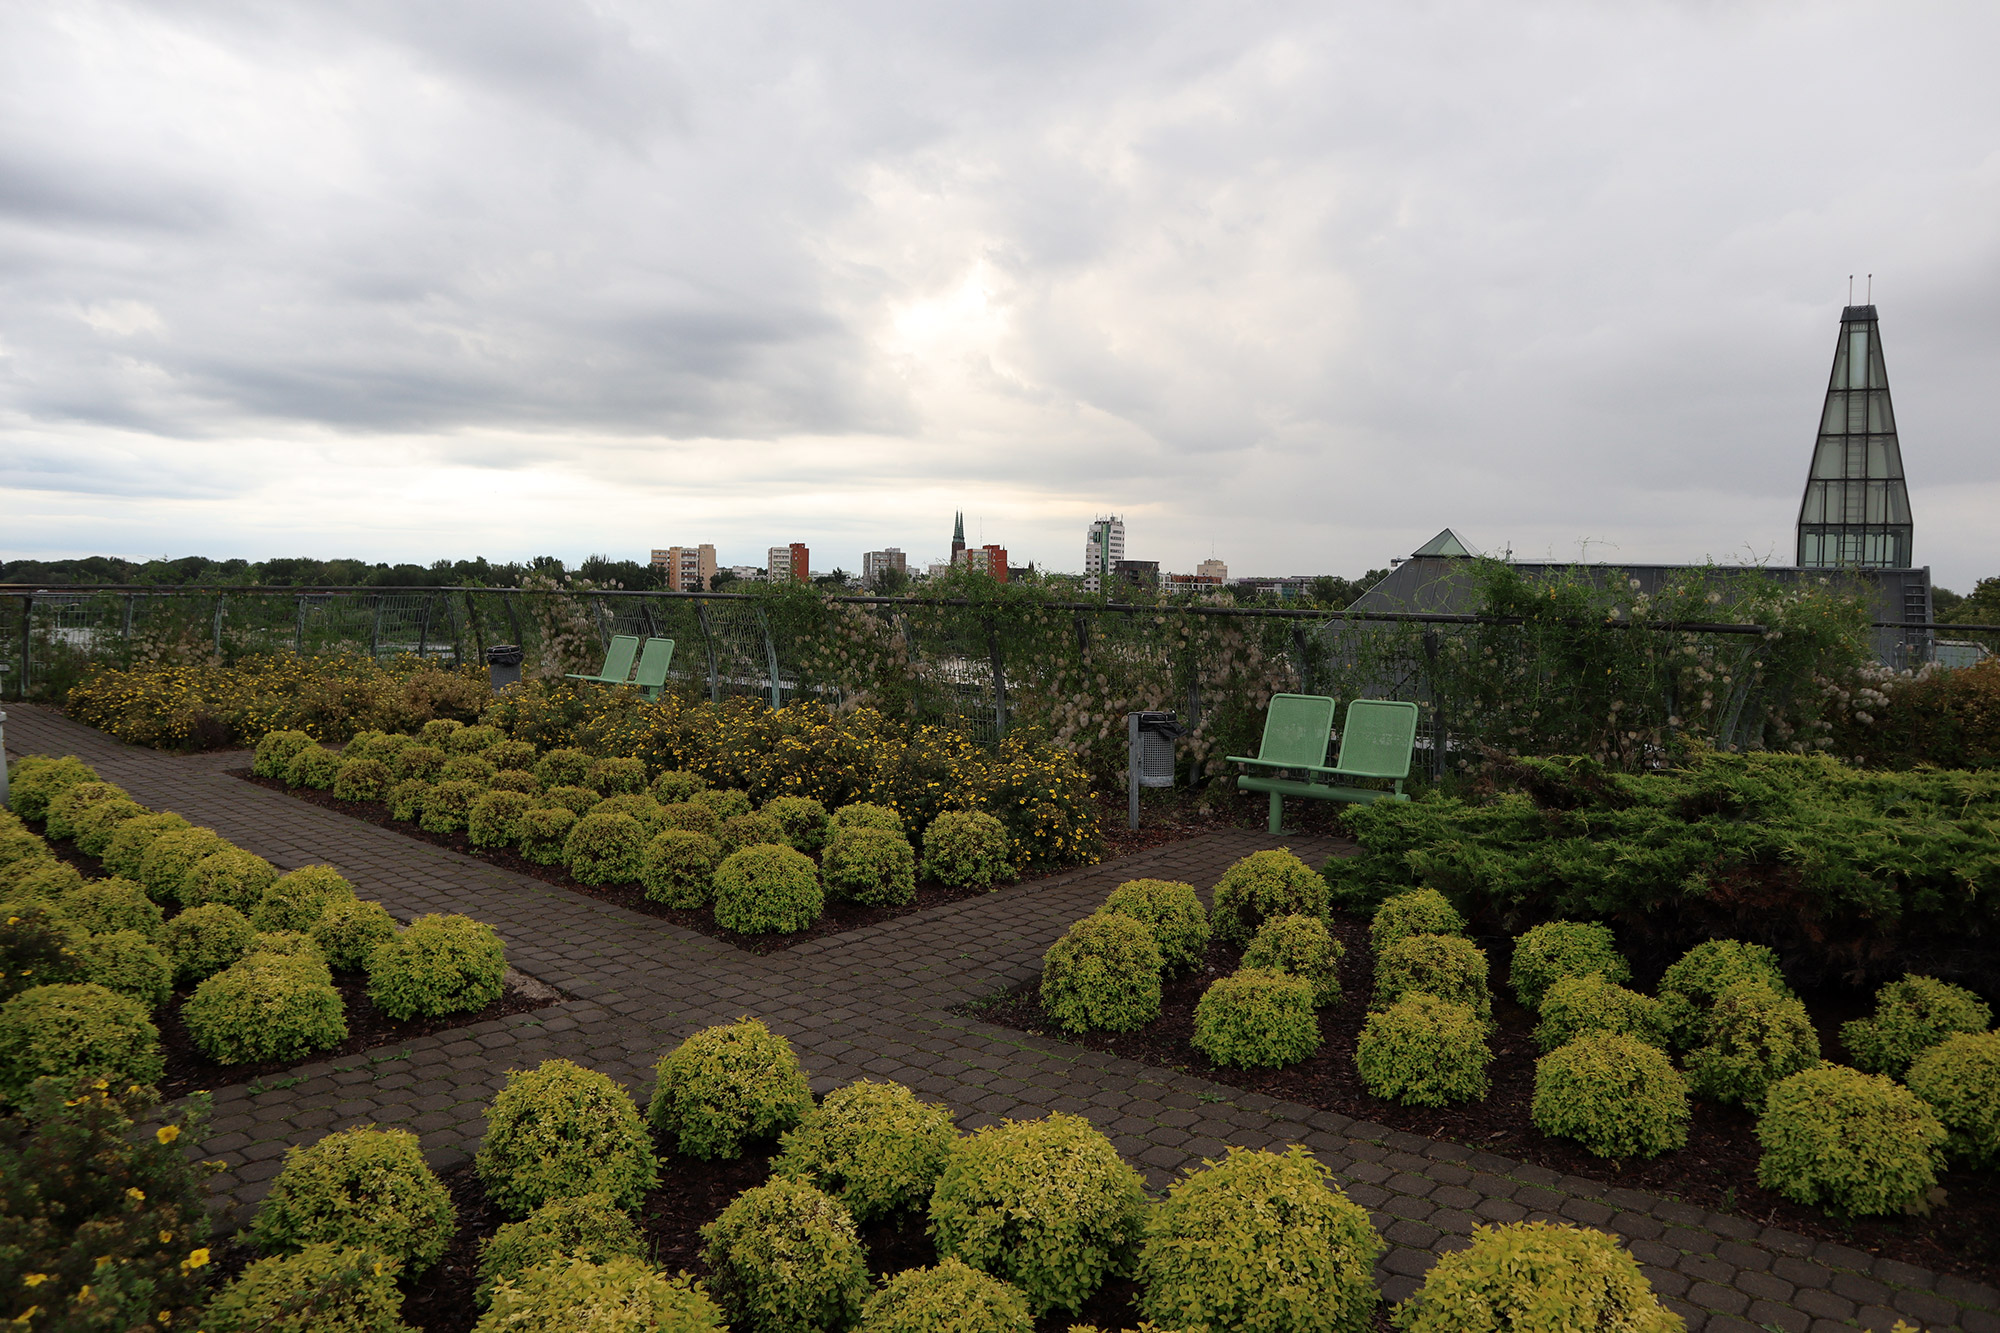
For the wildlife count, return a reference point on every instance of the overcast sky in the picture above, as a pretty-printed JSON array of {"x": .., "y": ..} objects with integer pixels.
[{"x": 1297, "y": 285}]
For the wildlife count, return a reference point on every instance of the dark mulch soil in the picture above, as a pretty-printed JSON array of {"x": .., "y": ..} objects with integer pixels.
[{"x": 1716, "y": 1170}]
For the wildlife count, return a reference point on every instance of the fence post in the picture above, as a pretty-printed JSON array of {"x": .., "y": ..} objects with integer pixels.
[
  {"x": 125, "y": 638},
  {"x": 708, "y": 642},
  {"x": 771, "y": 655},
  {"x": 999, "y": 682},
  {"x": 221, "y": 602},
  {"x": 375, "y": 635},
  {"x": 27, "y": 640},
  {"x": 478, "y": 629},
  {"x": 1304, "y": 660},
  {"x": 299, "y": 634},
  {"x": 424, "y": 628}
]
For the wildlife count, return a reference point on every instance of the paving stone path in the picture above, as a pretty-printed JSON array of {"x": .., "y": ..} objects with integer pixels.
[{"x": 878, "y": 1001}]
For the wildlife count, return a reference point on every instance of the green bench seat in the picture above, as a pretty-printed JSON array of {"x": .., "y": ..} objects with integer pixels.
[{"x": 1375, "y": 744}]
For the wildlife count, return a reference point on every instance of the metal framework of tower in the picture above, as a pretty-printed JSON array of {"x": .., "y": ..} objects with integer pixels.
[{"x": 1856, "y": 511}]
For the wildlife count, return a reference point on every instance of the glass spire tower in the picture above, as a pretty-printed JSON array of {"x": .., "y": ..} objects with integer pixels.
[{"x": 1856, "y": 510}]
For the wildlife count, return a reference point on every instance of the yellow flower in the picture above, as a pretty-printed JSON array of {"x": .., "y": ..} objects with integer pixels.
[
  {"x": 136, "y": 1195},
  {"x": 34, "y": 1279},
  {"x": 167, "y": 1133},
  {"x": 196, "y": 1259}
]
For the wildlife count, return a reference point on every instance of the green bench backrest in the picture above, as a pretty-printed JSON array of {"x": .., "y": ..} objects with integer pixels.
[
  {"x": 618, "y": 659},
  {"x": 1376, "y": 741},
  {"x": 1297, "y": 730},
  {"x": 654, "y": 660}
]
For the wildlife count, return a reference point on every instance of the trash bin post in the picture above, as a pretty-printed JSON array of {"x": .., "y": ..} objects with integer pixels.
[
  {"x": 503, "y": 665},
  {"x": 1149, "y": 755}
]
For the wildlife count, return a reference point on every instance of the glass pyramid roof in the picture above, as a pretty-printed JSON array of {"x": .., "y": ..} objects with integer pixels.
[{"x": 1856, "y": 510}]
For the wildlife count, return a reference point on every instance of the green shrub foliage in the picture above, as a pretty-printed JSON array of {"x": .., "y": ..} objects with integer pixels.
[
  {"x": 579, "y": 801},
  {"x": 364, "y": 1187},
  {"x": 439, "y": 731},
  {"x": 296, "y": 900},
  {"x": 474, "y": 740},
  {"x": 321, "y": 1289},
  {"x": 1959, "y": 1078},
  {"x": 1302, "y": 946},
  {"x": 605, "y": 848},
  {"x": 518, "y": 780},
  {"x": 406, "y": 799},
  {"x": 1912, "y": 1015},
  {"x": 870, "y": 865},
  {"x": 45, "y": 881},
  {"x": 75, "y": 1031},
  {"x": 678, "y": 868},
  {"x": 1694, "y": 982},
  {"x": 873, "y": 1146},
  {"x": 545, "y": 834},
  {"x": 767, "y": 888},
  {"x": 616, "y": 776},
  {"x": 802, "y": 820},
  {"x": 1536, "y": 1275},
  {"x": 1262, "y": 885},
  {"x": 363, "y": 780},
  {"x": 1417, "y": 912},
  {"x": 267, "y": 1007},
  {"x": 864, "y": 814},
  {"x": 275, "y": 751},
  {"x": 1616, "y": 1096},
  {"x": 230, "y": 875},
  {"x": 448, "y": 804},
  {"x": 726, "y": 1085},
  {"x": 692, "y": 816},
  {"x": 495, "y": 818},
  {"x": 638, "y": 805},
  {"x": 291, "y": 944},
  {"x": 1260, "y": 1242},
  {"x": 1423, "y": 1051},
  {"x": 315, "y": 766},
  {"x": 203, "y": 940},
  {"x": 565, "y": 1295},
  {"x": 1450, "y": 967},
  {"x": 98, "y": 905},
  {"x": 952, "y": 1297},
  {"x": 348, "y": 930},
  {"x": 129, "y": 964},
  {"x": 1103, "y": 974},
  {"x": 1047, "y": 1205},
  {"x": 676, "y": 786},
  {"x": 784, "y": 1258},
  {"x": 759, "y": 826},
  {"x": 563, "y": 768},
  {"x": 511, "y": 757},
  {"x": 967, "y": 849},
  {"x": 723, "y": 802},
  {"x": 1851, "y": 1142},
  {"x": 586, "y": 1226},
  {"x": 1172, "y": 912},
  {"x": 171, "y": 856},
  {"x": 38, "y": 946},
  {"x": 127, "y": 848},
  {"x": 438, "y": 964},
  {"x": 1558, "y": 949},
  {"x": 70, "y": 805},
  {"x": 99, "y": 823},
  {"x": 1576, "y": 1005},
  {"x": 1756, "y": 1037},
  {"x": 559, "y": 1130},
  {"x": 34, "y": 781},
  {"x": 1257, "y": 1019},
  {"x": 468, "y": 768}
]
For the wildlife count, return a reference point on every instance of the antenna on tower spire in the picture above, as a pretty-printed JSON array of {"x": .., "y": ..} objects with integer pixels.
[
  {"x": 1850, "y": 289},
  {"x": 1871, "y": 289}
]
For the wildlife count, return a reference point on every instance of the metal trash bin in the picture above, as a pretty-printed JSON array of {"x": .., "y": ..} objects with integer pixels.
[
  {"x": 503, "y": 665},
  {"x": 1149, "y": 761}
]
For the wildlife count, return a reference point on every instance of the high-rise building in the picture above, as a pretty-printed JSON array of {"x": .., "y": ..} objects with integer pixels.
[
  {"x": 874, "y": 564},
  {"x": 1102, "y": 551},
  {"x": 1212, "y": 569},
  {"x": 1856, "y": 510},
  {"x": 788, "y": 562},
  {"x": 989, "y": 559},
  {"x": 686, "y": 568}
]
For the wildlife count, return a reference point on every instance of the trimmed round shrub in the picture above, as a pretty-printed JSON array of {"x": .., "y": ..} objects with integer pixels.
[
  {"x": 802, "y": 820},
  {"x": 1423, "y": 1051},
  {"x": 678, "y": 868},
  {"x": 724, "y": 802},
  {"x": 321, "y": 1289},
  {"x": 406, "y": 799},
  {"x": 1263, "y": 885},
  {"x": 1756, "y": 1037},
  {"x": 127, "y": 963},
  {"x": 1172, "y": 912},
  {"x": 75, "y": 1031},
  {"x": 438, "y": 964},
  {"x": 495, "y": 818},
  {"x": 448, "y": 804},
  {"x": 314, "y": 767},
  {"x": 297, "y": 899},
  {"x": 1851, "y": 1142},
  {"x": 870, "y": 865},
  {"x": 1615, "y": 1095},
  {"x": 1256, "y": 1019},
  {"x": 35, "y": 780},
  {"x": 1959, "y": 1078},
  {"x": 511, "y": 756},
  {"x": 740, "y": 831},
  {"x": 691, "y": 816},
  {"x": 579, "y": 801},
  {"x": 266, "y": 1007},
  {"x": 616, "y": 775},
  {"x": 203, "y": 940},
  {"x": 127, "y": 848},
  {"x": 767, "y": 888},
  {"x": 362, "y": 780},
  {"x": 275, "y": 751},
  {"x": 95, "y": 825},
  {"x": 726, "y": 1085},
  {"x": 1558, "y": 949},
  {"x": 873, "y": 1146},
  {"x": 784, "y": 1258},
  {"x": 38, "y": 946},
  {"x": 46, "y": 880},
  {"x": 1259, "y": 1242},
  {"x": 967, "y": 849},
  {"x": 364, "y": 1187},
  {"x": 638, "y": 805},
  {"x": 605, "y": 848},
  {"x": 1691, "y": 985},
  {"x": 1418, "y": 912},
  {"x": 623, "y": 1292},
  {"x": 231, "y": 876},
  {"x": 1104, "y": 974},
  {"x": 420, "y": 761},
  {"x": 1912, "y": 1014},
  {"x": 545, "y": 833},
  {"x": 1047, "y": 1205},
  {"x": 1302, "y": 946},
  {"x": 367, "y": 745},
  {"x": 587, "y": 1226},
  {"x": 475, "y": 740},
  {"x": 563, "y": 768},
  {"x": 172, "y": 855},
  {"x": 1536, "y": 1275},
  {"x": 952, "y": 1297},
  {"x": 100, "y": 905},
  {"x": 17, "y": 840},
  {"x": 516, "y": 779},
  {"x": 559, "y": 1130},
  {"x": 70, "y": 804},
  {"x": 468, "y": 768},
  {"x": 1576, "y": 1005},
  {"x": 675, "y": 786},
  {"x": 1450, "y": 967},
  {"x": 439, "y": 731},
  {"x": 348, "y": 930},
  {"x": 294, "y": 944},
  {"x": 865, "y": 814}
]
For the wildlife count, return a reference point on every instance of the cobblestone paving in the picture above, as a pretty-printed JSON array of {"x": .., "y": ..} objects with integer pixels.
[{"x": 877, "y": 1002}]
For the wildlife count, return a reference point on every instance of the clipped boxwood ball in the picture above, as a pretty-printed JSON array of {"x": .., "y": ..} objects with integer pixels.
[
  {"x": 517, "y": 780},
  {"x": 267, "y": 1007},
  {"x": 1103, "y": 974},
  {"x": 1912, "y": 1014},
  {"x": 295, "y": 901},
  {"x": 616, "y": 775},
  {"x": 767, "y": 888},
  {"x": 1450, "y": 967},
  {"x": 96, "y": 824},
  {"x": 871, "y": 866},
  {"x": 228, "y": 875},
  {"x": 406, "y": 799},
  {"x": 75, "y": 1031},
  {"x": 1417, "y": 912},
  {"x": 512, "y": 757},
  {"x": 1576, "y": 1005},
  {"x": 45, "y": 880},
  {"x": 348, "y": 930},
  {"x": 563, "y": 768},
  {"x": 678, "y": 868},
  {"x": 474, "y": 740},
  {"x": 38, "y": 946},
  {"x": 1960, "y": 1080},
  {"x": 723, "y": 802},
  {"x": 438, "y": 964},
  {"x": 203, "y": 940},
  {"x": 748, "y": 830},
  {"x": 803, "y": 821},
  {"x": 1302, "y": 946},
  {"x": 726, "y": 1085},
  {"x": 170, "y": 856},
  {"x": 873, "y": 1146},
  {"x": 567, "y": 1295},
  {"x": 1756, "y": 1037},
  {"x": 1536, "y": 1275},
  {"x": 1423, "y": 1051},
  {"x": 1260, "y": 1242},
  {"x": 950, "y": 1296},
  {"x": 495, "y": 818},
  {"x": 439, "y": 731},
  {"x": 784, "y": 1257},
  {"x": 1850, "y": 1142},
  {"x": 967, "y": 849},
  {"x": 468, "y": 768},
  {"x": 101, "y": 905},
  {"x": 638, "y": 805},
  {"x": 1257, "y": 1019},
  {"x": 448, "y": 804},
  {"x": 362, "y": 780},
  {"x": 1263, "y": 885},
  {"x": 545, "y": 834},
  {"x": 35, "y": 780},
  {"x": 691, "y": 817},
  {"x": 1047, "y": 1205},
  {"x": 605, "y": 847},
  {"x": 291, "y": 944},
  {"x": 583, "y": 1226},
  {"x": 1616, "y": 1096},
  {"x": 1691, "y": 985},
  {"x": 69, "y": 805},
  {"x": 364, "y": 1187},
  {"x": 675, "y": 786},
  {"x": 127, "y": 848},
  {"x": 275, "y": 751},
  {"x": 321, "y": 1289},
  {"x": 129, "y": 964},
  {"x": 865, "y": 814},
  {"x": 1171, "y": 911},
  {"x": 560, "y": 1129},
  {"x": 1558, "y": 949},
  {"x": 314, "y": 767}
]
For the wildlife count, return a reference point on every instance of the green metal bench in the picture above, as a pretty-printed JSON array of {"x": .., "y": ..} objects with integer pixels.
[
  {"x": 1375, "y": 744},
  {"x": 617, "y": 669},
  {"x": 654, "y": 659}
]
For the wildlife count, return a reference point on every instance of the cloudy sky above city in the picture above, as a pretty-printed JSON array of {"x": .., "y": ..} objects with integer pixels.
[{"x": 1295, "y": 285}]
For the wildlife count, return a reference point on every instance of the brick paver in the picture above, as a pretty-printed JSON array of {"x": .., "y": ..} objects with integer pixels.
[{"x": 878, "y": 1001}]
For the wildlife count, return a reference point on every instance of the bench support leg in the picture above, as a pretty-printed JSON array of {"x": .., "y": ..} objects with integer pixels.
[{"x": 1277, "y": 814}]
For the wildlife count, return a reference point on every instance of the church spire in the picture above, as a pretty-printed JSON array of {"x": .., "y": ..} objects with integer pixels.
[
  {"x": 958, "y": 532},
  {"x": 1856, "y": 509}
]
